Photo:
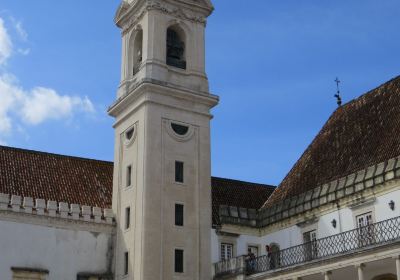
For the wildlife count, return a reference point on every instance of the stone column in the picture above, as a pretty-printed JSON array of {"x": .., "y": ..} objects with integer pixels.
[
  {"x": 398, "y": 266},
  {"x": 328, "y": 275},
  {"x": 360, "y": 271}
]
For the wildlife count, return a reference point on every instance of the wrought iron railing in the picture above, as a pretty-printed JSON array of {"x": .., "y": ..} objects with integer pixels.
[{"x": 381, "y": 233}]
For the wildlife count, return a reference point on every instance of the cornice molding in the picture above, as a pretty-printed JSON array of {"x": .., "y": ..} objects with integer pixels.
[
  {"x": 56, "y": 222},
  {"x": 126, "y": 18}
]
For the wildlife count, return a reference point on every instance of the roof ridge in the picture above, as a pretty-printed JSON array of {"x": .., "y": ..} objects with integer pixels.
[
  {"x": 241, "y": 181},
  {"x": 344, "y": 117},
  {"x": 54, "y": 154},
  {"x": 371, "y": 91}
]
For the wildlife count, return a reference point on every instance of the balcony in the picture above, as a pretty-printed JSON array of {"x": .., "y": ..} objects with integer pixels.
[{"x": 342, "y": 244}]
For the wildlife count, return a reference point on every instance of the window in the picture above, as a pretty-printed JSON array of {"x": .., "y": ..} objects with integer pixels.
[
  {"x": 309, "y": 239},
  {"x": 129, "y": 176},
  {"x": 178, "y": 214},
  {"x": 28, "y": 274},
  {"x": 274, "y": 254},
  {"x": 127, "y": 217},
  {"x": 365, "y": 229},
  {"x": 178, "y": 261},
  {"x": 226, "y": 251},
  {"x": 126, "y": 263},
  {"x": 253, "y": 250},
  {"x": 175, "y": 48},
  {"x": 179, "y": 129},
  {"x": 129, "y": 133},
  {"x": 138, "y": 51},
  {"x": 178, "y": 171}
]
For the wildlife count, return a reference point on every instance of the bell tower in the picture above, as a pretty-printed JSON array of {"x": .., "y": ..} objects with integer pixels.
[{"x": 162, "y": 169}]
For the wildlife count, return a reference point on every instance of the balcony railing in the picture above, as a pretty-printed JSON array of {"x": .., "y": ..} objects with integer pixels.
[{"x": 378, "y": 234}]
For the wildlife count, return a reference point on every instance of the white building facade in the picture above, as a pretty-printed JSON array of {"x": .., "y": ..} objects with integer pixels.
[{"x": 156, "y": 212}]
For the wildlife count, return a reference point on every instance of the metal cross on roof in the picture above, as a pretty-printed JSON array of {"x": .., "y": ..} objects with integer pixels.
[{"x": 337, "y": 95}]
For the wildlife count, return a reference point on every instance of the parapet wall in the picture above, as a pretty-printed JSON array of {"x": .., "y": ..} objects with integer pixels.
[{"x": 55, "y": 209}]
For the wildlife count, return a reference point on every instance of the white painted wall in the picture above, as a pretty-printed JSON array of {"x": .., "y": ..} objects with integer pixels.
[
  {"x": 64, "y": 252},
  {"x": 293, "y": 235}
]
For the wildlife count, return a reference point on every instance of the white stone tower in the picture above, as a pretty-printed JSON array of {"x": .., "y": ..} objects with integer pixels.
[{"x": 162, "y": 193}]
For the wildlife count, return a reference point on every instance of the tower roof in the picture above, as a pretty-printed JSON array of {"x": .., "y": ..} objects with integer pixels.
[{"x": 358, "y": 134}]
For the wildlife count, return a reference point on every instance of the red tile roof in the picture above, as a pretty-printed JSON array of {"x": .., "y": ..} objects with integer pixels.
[
  {"x": 237, "y": 193},
  {"x": 55, "y": 177},
  {"x": 359, "y": 134},
  {"x": 89, "y": 182}
]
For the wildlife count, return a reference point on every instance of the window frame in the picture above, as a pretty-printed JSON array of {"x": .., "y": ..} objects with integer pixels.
[
  {"x": 182, "y": 264},
  {"x": 127, "y": 218},
  {"x": 126, "y": 263},
  {"x": 179, "y": 177},
  {"x": 128, "y": 182},
  {"x": 182, "y": 207},
  {"x": 223, "y": 251}
]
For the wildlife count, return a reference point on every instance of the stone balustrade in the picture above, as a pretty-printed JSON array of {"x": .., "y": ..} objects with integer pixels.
[{"x": 55, "y": 209}]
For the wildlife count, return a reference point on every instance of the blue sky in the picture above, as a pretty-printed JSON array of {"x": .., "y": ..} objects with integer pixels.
[{"x": 272, "y": 62}]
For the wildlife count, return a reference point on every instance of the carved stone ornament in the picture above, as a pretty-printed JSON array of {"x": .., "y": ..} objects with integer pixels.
[{"x": 155, "y": 5}]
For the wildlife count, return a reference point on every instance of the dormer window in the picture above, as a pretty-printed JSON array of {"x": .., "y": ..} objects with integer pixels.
[{"x": 175, "y": 48}]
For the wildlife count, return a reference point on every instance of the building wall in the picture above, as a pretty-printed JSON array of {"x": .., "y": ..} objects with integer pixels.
[
  {"x": 64, "y": 249},
  {"x": 292, "y": 235}
]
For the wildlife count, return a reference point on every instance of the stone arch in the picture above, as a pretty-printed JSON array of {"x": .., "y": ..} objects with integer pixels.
[
  {"x": 135, "y": 50},
  {"x": 176, "y": 45},
  {"x": 274, "y": 253},
  {"x": 388, "y": 276}
]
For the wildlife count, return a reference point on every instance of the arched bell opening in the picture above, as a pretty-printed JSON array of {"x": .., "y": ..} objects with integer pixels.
[{"x": 176, "y": 53}]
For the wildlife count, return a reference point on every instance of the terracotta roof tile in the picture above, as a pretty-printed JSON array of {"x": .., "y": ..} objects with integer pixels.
[
  {"x": 359, "y": 134},
  {"x": 55, "y": 177},
  {"x": 237, "y": 193},
  {"x": 89, "y": 182}
]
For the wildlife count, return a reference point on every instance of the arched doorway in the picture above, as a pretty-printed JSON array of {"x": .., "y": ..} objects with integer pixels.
[
  {"x": 385, "y": 277},
  {"x": 275, "y": 259}
]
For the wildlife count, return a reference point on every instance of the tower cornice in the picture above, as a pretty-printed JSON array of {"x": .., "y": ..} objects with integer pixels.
[
  {"x": 128, "y": 15},
  {"x": 151, "y": 88}
]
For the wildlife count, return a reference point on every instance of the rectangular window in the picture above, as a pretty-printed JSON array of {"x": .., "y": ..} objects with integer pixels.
[
  {"x": 178, "y": 214},
  {"x": 226, "y": 251},
  {"x": 178, "y": 261},
  {"x": 366, "y": 234},
  {"x": 253, "y": 250},
  {"x": 127, "y": 217},
  {"x": 129, "y": 176},
  {"x": 310, "y": 243},
  {"x": 126, "y": 263},
  {"x": 178, "y": 171}
]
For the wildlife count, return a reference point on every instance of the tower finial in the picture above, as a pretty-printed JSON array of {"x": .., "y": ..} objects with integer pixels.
[{"x": 337, "y": 95}]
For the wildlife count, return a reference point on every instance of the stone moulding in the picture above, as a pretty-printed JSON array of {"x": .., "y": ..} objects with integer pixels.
[
  {"x": 135, "y": 15},
  {"x": 55, "y": 209},
  {"x": 353, "y": 183}
]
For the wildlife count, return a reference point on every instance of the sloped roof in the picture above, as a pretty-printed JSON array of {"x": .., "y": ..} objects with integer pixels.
[
  {"x": 237, "y": 193},
  {"x": 89, "y": 182},
  {"x": 358, "y": 134},
  {"x": 55, "y": 177}
]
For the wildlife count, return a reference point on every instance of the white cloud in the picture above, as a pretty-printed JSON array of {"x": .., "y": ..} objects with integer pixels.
[
  {"x": 24, "y": 51},
  {"x": 43, "y": 104},
  {"x": 36, "y": 106},
  {"x": 5, "y": 43},
  {"x": 20, "y": 30},
  {"x": 30, "y": 107}
]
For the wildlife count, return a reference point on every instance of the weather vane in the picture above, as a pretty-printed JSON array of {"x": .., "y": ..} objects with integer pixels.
[{"x": 337, "y": 95}]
